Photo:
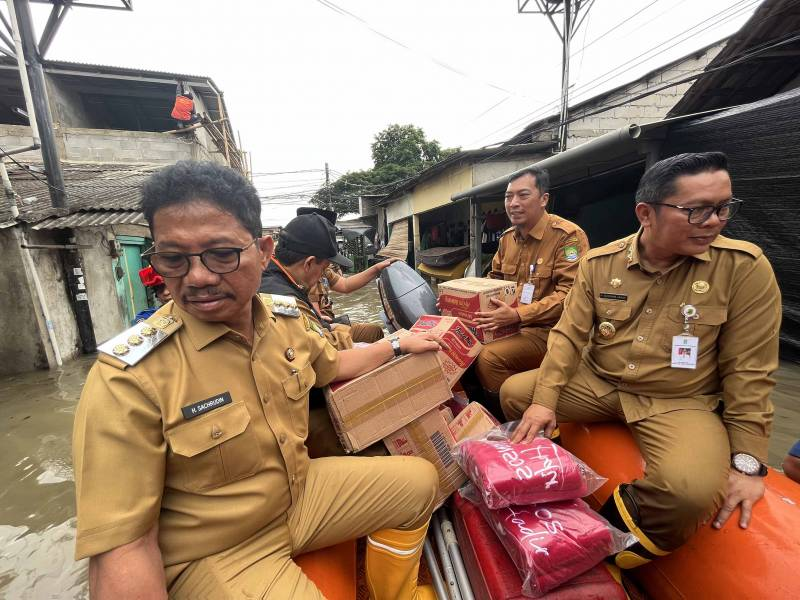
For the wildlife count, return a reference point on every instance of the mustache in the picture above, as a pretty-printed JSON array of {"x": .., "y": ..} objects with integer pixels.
[{"x": 199, "y": 293}]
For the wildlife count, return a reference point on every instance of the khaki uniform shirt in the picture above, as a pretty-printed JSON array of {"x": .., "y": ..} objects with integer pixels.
[
  {"x": 210, "y": 481},
  {"x": 555, "y": 246},
  {"x": 738, "y": 304},
  {"x": 320, "y": 293}
]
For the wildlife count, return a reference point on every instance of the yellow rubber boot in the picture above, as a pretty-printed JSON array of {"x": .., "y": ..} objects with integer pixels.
[{"x": 393, "y": 565}]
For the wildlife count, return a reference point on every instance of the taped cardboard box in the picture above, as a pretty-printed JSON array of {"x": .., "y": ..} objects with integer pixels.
[
  {"x": 366, "y": 409},
  {"x": 429, "y": 437},
  {"x": 461, "y": 347},
  {"x": 472, "y": 422},
  {"x": 465, "y": 297}
]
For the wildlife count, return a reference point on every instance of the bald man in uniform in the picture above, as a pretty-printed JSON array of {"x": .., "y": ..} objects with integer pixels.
[
  {"x": 682, "y": 330},
  {"x": 540, "y": 252},
  {"x": 191, "y": 472}
]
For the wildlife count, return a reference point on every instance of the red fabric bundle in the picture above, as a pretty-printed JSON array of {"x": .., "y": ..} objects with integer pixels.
[
  {"x": 182, "y": 110},
  {"x": 552, "y": 543},
  {"x": 525, "y": 473}
]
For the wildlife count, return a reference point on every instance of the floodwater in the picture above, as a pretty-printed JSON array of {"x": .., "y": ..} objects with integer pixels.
[{"x": 37, "y": 505}]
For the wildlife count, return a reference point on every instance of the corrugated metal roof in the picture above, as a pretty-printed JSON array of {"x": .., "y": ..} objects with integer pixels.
[{"x": 93, "y": 218}]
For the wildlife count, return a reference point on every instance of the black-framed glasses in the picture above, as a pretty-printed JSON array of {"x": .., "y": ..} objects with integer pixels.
[
  {"x": 216, "y": 260},
  {"x": 701, "y": 214}
]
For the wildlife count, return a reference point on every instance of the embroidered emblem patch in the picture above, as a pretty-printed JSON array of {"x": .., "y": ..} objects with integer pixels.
[{"x": 571, "y": 253}]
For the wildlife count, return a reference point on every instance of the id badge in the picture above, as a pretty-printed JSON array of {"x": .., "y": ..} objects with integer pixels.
[
  {"x": 526, "y": 297},
  {"x": 684, "y": 351}
]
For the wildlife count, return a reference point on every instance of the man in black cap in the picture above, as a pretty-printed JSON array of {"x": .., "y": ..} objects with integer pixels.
[
  {"x": 333, "y": 279},
  {"x": 306, "y": 247}
]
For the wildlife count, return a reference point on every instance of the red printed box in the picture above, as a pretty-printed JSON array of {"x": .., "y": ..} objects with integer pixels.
[
  {"x": 465, "y": 297},
  {"x": 461, "y": 347}
]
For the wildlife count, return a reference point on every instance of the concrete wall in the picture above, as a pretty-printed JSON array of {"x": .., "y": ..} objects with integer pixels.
[
  {"x": 653, "y": 107},
  {"x": 399, "y": 209},
  {"x": 108, "y": 313},
  {"x": 66, "y": 106},
  {"x": 17, "y": 136},
  {"x": 437, "y": 191},
  {"x": 106, "y": 145},
  {"x": 486, "y": 171},
  {"x": 21, "y": 345}
]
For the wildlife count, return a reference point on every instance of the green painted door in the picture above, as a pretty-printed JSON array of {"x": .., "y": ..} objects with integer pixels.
[{"x": 129, "y": 286}]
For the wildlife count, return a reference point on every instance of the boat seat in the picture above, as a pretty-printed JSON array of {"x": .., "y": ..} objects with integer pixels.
[{"x": 332, "y": 569}]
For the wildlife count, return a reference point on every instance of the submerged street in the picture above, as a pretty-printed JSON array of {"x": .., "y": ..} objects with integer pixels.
[{"x": 37, "y": 522}]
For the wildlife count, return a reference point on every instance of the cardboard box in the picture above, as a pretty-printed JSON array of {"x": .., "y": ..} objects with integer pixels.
[
  {"x": 472, "y": 422},
  {"x": 465, "y": 297},
  {"x": 429, "y": 437},
  {"x": 370, "y": 407},
  {"x": 461, "y": 347}
]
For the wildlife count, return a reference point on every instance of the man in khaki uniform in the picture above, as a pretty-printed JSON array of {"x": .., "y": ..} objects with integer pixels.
[
  {"x": 677, "y": 318},
  {"x": 191, "y": 472},
  {"x": 540, "y": 252}
]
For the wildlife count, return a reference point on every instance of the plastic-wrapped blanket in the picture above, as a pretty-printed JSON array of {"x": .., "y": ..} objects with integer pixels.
[
  {"x": 525, "y": 473},
  {"x": 552, "y": 543}
]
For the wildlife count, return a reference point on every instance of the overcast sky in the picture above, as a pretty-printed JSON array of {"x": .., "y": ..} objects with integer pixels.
[{"x": 310, "y": 81}]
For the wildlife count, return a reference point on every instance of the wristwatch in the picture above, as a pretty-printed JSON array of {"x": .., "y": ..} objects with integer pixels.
[
  {"x": 748, "y": 465},
  {"x": 395, "y": 341}
]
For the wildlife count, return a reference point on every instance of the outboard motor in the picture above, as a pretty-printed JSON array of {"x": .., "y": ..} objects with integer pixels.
[{"x": 405, "y": 296}]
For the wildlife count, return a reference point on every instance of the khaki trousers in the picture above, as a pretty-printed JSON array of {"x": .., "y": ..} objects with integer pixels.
[
  {"x": 343, "y": 499},
  {"x": 506, "y": 357},
  {"x": 366, "y": 332},
  {"x": 686, "y": 453}
]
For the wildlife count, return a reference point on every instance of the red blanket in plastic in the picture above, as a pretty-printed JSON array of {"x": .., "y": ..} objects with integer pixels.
[
  {"x": 525, "y": 473},
  {"x": 552, "y": 543}
]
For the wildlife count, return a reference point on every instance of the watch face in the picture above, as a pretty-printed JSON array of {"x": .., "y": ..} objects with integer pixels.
[{"x": 744, "y": 463}]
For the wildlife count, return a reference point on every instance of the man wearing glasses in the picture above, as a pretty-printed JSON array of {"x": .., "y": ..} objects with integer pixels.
[
  {"x": 680, "y": 327},
  {"x": 191, "y": 470}
]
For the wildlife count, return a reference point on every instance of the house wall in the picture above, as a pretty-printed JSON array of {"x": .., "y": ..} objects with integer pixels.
[
  {"x": 66, "y": 107},
  {"x": 21, "y": 345},
  {"x": 653, "y": 107},
  {"x": 399, "y": 209},
  {"x": 486, "y": 171},
  {"x": 108, "y": 314},
  {"x": 437, "y": 191}
]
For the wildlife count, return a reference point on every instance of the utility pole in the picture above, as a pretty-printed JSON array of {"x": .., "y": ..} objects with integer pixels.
[
  {"x": 574, "y": 12},
  {"x": 21, "y": 21},
  {"x": 328, "y": 184}
]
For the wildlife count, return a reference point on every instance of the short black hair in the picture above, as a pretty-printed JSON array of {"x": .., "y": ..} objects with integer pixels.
[
  {"x": 658, "y": 182},
  {"x": 191, "y": 180},
  {"x": 290, "y": 257},
  {"x": 541, "y": 175}
]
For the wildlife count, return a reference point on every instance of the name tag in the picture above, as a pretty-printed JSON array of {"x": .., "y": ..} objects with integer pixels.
[
  {"x": 609, "y": 296},
  {"x": 200, "y": 408},
  {"x": 684, "y": 351},
  {"x": 526, "y": 297}
]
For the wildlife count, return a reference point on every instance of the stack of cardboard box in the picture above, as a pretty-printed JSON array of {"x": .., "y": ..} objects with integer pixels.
[{"x": 466, "y": 297}]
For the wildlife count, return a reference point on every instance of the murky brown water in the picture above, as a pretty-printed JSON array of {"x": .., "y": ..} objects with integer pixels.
[{"x": 37, "y": 505}]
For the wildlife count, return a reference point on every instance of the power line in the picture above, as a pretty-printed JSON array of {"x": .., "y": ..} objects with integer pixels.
[{"x": 738, "y": 8}]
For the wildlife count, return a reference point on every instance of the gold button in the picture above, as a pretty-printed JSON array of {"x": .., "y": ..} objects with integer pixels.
[
  {"x": 631, "y": 366},
  {"x": 294, "y": 371},
  {"x": 282, "y": 438},
  {"x": 609, "y": 311},
  {"x": 265, "y": 398},
  {"x": 216, "y": 433},
  {"x": 659, "y": 281},
  {"x": 294, "y": 478},
  {"x": 649, "y": 311},
  {"x": 639, "y": 338}
]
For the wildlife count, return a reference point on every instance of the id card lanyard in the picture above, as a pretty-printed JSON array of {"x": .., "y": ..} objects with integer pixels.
[
  {"x": 685, "y": 346},
  {"x": 526, "y": 297}
]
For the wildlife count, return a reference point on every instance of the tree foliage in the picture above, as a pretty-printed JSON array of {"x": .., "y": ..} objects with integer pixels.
[{"x": 398, "y": 152}]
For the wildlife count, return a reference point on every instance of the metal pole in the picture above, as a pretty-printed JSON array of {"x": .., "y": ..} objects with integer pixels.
[
  {"x": 328, "y": 184},
  {"x": 41, "y": 106},
  {"x": 455, "y": 557},
  {"x": 567, "y": 36},
  {"x": 447, "y": 565},
  {"x": 433, "y": 568},
  {"x": 23, "y": 74}
]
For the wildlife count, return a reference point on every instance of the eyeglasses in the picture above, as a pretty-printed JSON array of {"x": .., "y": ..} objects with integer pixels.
[
  {"x": 701, "y": 214},
  {"x": 216, "y": 260}
]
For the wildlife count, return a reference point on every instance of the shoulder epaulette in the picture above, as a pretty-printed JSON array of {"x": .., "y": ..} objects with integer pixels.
[
  {"x": 133, "y": 344},
  {"x": 563, "y": 225},
  {"x": 282, "y": 305},
  {"x": 611, "y": 248},
  {"x": 740, "y": 245}
]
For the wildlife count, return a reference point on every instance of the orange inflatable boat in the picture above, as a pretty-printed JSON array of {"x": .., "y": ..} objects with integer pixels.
[{"x": 760, "y": 562}]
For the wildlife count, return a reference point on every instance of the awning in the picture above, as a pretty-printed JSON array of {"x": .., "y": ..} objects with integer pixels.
[
  {"x": 93, "y": 218},
  {"x": 616, "y": 148},
  {"x": 398, "y": 241}
]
